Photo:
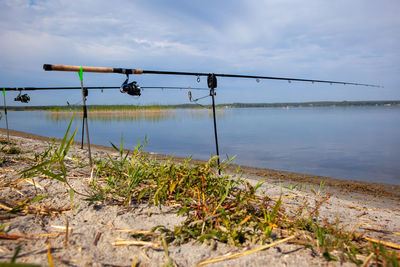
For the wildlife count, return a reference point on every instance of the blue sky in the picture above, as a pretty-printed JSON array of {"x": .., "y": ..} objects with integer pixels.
[{"x": 354, "y": 41}]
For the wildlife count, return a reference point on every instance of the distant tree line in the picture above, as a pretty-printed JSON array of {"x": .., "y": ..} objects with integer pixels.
[{"x": 316, "y": 104}]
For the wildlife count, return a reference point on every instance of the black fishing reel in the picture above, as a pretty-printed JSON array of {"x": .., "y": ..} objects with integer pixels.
[
  {"x": 25, "y": 98},
  {"x": 132, "y": 88}
]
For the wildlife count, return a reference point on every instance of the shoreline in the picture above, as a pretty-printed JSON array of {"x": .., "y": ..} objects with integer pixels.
[{"x": 286, "y": 177}]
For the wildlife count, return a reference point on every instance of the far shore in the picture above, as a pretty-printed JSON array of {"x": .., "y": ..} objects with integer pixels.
[{"x": 159, "y": 107}]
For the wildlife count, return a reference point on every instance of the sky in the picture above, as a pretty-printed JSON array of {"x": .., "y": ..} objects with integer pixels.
[{"x": 352, "y": 41}]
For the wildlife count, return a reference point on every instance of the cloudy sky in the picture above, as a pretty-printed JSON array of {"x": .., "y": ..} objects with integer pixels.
[{"x": 354, "y": 41}]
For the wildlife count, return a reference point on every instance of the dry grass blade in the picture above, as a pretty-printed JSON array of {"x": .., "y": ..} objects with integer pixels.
[
  {"x": 238, "y": 255},
  {"x": 360, "y": 208},
  {"x": 283, "y": 197},
  {"x": 51, "y": 264},
  {"x": 385, "y": 243},
  {"x": 50, "y": 235},
  {"x": 12, "y": 237},
  {"x": 35, "y": 210},
  {"x": 32, "y": 182},
  {"x": 136, "y": 262},
  {"x": 137, "y": 231},
  {"x": 3, "y": 206},
  {"x": 135, "y": 243},
  {"x": 33, "y": 236},
  {"x": 365, "y": 264},
  {"x": 60, "y": 227}
]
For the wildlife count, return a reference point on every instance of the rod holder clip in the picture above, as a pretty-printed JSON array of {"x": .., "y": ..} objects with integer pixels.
[{"x": 212, "y": 81}]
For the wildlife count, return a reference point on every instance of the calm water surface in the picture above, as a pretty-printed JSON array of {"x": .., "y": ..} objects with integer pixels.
[{"x": 356, "y": 143}]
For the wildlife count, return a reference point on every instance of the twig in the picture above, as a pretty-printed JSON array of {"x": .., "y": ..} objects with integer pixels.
[
  {"x": 66, "y": 231},
  {"x": 96, "y": 239},
  {"x": 241, "y": 254}
]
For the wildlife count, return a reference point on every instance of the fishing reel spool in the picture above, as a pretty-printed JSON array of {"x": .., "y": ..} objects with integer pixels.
[
  {"x": 25, "y": 98},
  {"x": 132, "y": 88}
]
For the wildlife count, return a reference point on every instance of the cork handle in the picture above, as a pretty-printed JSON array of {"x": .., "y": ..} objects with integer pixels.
[{"x": 49, "y": 67}]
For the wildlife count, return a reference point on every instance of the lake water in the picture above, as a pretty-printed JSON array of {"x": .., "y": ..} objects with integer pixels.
[{"x": 355, "y": 143}]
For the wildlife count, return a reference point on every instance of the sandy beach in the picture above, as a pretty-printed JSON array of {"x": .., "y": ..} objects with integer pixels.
[{"x": 77, "y": 232}]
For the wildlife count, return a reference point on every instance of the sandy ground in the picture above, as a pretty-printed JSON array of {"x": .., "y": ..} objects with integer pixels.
[{"x": 370, "y": 209}]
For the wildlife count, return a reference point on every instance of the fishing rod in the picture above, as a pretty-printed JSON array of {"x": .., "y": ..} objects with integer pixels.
[
  {"x": 211, "y": 82},
  {"x": 99, "y": 87},
  {"x": 52, "y": 67},
  {"x": 132, "y": 88}
]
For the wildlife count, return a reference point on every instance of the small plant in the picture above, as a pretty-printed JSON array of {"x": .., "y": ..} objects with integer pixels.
[
  {"x": 51, "y": 162},
  {"x": 291, "y": 187},
  {"x": 383, "y": 257},
  {"x": 11, "y": 150},
  {"x": 26, "y": 203},
  {"x": 6, "y": 142}
]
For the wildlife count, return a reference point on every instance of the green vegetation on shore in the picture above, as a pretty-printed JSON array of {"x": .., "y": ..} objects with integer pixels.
[
  {"x": 216, "y": 208},
  {"x": 317, "y": 104},
  {"x": 191, "y": 106}
]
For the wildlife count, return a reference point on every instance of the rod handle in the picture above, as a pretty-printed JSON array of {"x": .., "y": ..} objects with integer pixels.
[{"x": 52, "y": 67}]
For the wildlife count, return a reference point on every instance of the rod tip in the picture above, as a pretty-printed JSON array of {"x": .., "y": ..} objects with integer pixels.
[{"x": 47, "y": 67}]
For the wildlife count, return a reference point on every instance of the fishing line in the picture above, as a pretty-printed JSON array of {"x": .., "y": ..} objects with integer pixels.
[{"x": 191, "y": 100}]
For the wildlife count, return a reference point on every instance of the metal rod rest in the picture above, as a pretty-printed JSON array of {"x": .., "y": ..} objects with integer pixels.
[
  {"x": 5, "y": 114},
  {"x": 83, "y": 128},
  {"x": 86, "y": 122},
  {"x": 212, "y": 93}
]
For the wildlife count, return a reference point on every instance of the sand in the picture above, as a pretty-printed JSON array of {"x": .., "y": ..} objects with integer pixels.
[{"x": 366, "y": 208}]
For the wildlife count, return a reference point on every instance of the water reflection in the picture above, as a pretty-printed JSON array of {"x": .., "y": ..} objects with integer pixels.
[
  {"x": 123, "y": 115},
  {"x": 133, "y": 115}
]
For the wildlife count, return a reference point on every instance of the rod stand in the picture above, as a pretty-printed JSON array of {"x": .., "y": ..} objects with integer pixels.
[
  {"x": 212, "y": 84},
  {"x": 85, "y": 121},
  {"x": 5, "y": 114},
  {"x": 84, "y": 115}
]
